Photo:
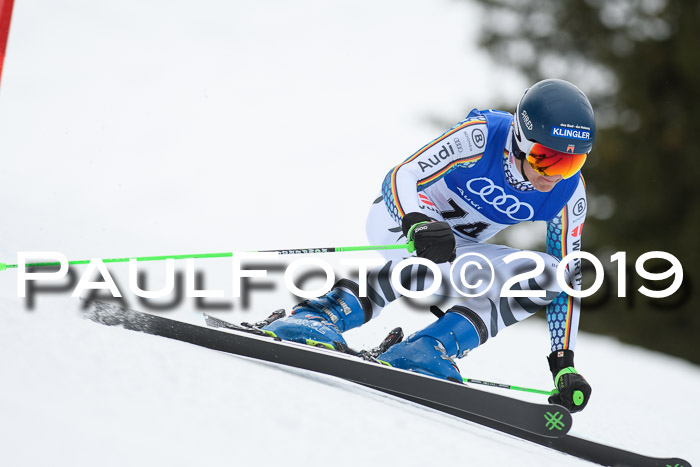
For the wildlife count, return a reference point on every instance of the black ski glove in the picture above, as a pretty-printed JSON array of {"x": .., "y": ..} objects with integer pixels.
[
  {"x": 433, "y": 240},
  {"x": 570, "y": 388}
]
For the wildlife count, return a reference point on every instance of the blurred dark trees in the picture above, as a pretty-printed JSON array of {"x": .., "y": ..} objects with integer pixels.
[{"x": 639, "y": 62}]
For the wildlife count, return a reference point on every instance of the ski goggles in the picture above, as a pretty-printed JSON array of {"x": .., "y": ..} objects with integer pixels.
[{"x": 549, "y": 162}]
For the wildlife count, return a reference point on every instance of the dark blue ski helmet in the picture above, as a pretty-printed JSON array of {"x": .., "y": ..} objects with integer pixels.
[{"x": 556, "y": 114}]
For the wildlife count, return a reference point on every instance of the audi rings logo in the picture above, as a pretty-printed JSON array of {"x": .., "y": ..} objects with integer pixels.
[{"x": 496, "y": 197}]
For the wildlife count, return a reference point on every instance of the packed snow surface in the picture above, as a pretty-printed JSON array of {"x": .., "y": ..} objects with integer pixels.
[
  {"x": 75, "y": 393},
  {"x": 146, "y": 127}
]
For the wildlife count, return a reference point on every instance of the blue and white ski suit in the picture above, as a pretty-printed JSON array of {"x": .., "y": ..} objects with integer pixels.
[{"x": 467, "y": 177}]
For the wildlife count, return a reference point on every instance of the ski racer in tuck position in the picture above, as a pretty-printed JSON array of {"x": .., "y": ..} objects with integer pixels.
[{"x": 488, "y": 172}]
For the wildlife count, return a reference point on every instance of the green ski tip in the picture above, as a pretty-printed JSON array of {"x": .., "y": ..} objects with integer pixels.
[
  {"x": 3, "y": 266},
  {"x": 578, "y": 398}
]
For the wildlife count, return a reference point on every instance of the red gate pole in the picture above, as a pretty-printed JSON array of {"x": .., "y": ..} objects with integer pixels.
[{"x": 5, "y": 16}]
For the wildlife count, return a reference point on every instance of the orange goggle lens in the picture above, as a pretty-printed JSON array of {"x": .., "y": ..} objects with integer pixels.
[{"x": 549, "y": 162}]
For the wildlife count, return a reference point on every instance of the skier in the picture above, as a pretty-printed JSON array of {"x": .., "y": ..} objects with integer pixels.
[{"x": 488, "y": 172}]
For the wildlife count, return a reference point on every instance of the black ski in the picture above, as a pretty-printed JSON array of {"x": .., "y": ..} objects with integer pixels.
[
  {"x": 541, "y": 419},
  {"x": 577, "y": 447},
  {"x": 266, "y": 348}
]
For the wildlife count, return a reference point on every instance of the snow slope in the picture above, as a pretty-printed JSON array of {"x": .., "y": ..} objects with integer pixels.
[
  {"x": 107, "y": 397},
  {"x": 150, "y": 127},
  {"x": 76, "y": 393}
]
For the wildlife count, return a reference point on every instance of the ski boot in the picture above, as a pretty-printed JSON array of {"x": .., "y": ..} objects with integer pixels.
[
  {"x": 432, "y": 350},
  {"x": 322, "y": 321}
]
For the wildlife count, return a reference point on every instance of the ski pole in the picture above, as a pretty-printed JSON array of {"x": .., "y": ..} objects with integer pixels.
[
  {"x": 407, "y": 246},
  {"x": 507, "y": 386}
]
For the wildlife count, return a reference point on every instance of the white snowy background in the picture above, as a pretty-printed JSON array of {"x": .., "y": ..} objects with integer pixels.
[{"x": 150, "y": 127}]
